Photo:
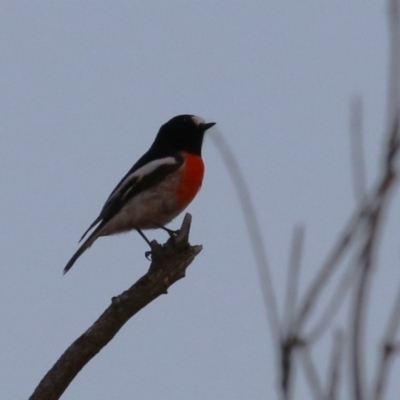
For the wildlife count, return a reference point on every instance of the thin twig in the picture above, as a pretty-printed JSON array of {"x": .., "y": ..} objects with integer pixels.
[
  {"x": 253, "y": 228},
  {"x": 289, "y": 346},
  {"x": 346, "y": 238},
  {"x": 388, "y": 349},
  {"x": 389, "y": 173},
  {"x": 359, "y": 184},
  {"x": 311, "y": 374},
  {"x": 366, "y": 263},
  {"x": 289, "y": 341},
  {"x": 293, "y": 278},
  {"x": 334, "y": 368},
  {"x": 367, "y": 258},
  {"x": 334, "y": 304}
]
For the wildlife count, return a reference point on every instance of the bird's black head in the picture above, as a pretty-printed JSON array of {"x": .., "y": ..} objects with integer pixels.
[{"x": 182, "y": 133}]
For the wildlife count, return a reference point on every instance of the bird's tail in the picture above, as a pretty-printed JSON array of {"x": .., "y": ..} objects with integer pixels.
[{"x": 85, "y": 245}]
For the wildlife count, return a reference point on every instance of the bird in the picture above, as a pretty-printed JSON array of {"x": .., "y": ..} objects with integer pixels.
[{"x": 159, "y": 186}]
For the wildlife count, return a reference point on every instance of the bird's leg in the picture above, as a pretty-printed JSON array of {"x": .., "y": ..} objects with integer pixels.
[
  {"x": 144, "y": 236},
  {"x": 172, "y": 233},
  {"x": 149, "y": 253}
]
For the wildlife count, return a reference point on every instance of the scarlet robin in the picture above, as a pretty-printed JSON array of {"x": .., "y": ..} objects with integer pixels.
[{"x": 159, "y": 186}]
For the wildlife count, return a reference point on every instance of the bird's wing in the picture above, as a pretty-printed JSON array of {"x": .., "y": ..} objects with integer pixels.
[{"x": 134, "y": 182}]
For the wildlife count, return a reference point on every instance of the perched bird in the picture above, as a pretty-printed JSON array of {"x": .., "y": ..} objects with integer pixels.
[{"x": 158, "y": 187}]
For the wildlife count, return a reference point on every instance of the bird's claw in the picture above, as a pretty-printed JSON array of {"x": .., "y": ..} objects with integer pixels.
[
  {"x": 172, "y": 233},
  {"x": 149, "y": 255}
]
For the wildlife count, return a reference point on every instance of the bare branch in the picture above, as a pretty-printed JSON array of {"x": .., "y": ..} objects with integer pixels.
[
  {"x": 387, "y": 181},
  {"x": 394, "y": 321},
  {"x": 359, "y": 179},
  {"x": 334, "y": 370},
  {"x": 334, "y": 304},
  {"x": 169, "y": 264},
  {"x": 367, "y": 257},
  {"x": 311, "y": 374},
  {"x": 388, "y": 349},
  {"x": 329, "y": 266},
  {"x": 389, "y": 176},
  {"x": 288, "y": 347},
  {"x": 293, "y": 278},
  {"x": 366, "y": 263},
  {"x": 371, "y": 205},
  {"x": 289, "y": 341},
  {"x": 253, "y": 227},
  {"x": 366, "y": 223}
]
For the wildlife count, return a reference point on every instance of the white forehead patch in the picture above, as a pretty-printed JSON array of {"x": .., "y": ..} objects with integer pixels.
[{"x": 197, "y": 120}]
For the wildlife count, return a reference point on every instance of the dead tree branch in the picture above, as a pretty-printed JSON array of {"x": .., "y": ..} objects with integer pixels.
[{"x": 169, "y": 264}]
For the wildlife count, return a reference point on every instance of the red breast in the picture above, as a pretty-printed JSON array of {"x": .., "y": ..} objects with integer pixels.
[{"x": 191, "y": 179}]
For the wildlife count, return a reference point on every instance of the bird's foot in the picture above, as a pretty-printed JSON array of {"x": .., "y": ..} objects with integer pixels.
[
  {"x": 172, "y": 233},
  {"x": 154, "y": 247}
]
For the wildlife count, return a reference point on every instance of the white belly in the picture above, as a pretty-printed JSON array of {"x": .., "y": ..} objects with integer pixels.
[{"x": 149, "y": 209}]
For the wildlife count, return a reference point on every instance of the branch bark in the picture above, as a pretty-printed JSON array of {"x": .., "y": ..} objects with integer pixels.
[{"x": 169, "y": 263}]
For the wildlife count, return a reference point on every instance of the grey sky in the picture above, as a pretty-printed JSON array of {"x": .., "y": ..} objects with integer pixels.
[{"x": 84, "y": 88}]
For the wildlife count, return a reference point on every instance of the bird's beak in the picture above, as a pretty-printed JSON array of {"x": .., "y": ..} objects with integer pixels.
[{"x": 208, "y": 125}]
